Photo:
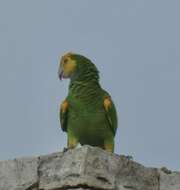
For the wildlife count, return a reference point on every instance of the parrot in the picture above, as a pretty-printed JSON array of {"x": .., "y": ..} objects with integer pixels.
[{"x": 88, "y": 114}]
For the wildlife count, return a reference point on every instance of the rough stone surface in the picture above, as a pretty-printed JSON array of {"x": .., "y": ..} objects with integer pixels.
[
  {"x": 84, "y": 168},
  {"x": 132, "y": 175},
  {"x": 169, "y": 180},
  {"x": 18, "y": 174}
]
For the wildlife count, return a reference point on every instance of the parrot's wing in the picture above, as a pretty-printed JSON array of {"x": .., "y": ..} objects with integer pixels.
[
  {"x": 111, "y": 114},
  {"x": 64, "y": 115}
]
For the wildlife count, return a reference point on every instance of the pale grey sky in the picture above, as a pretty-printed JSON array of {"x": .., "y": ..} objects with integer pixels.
[{"x": 134, "y": 43}]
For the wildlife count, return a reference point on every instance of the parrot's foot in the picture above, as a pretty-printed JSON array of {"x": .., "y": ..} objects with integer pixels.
[
  {"x": 65, "y": 149},
  {"x": 109, "y": 146}
]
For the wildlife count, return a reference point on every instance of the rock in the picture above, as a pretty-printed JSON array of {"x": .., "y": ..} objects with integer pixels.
[
  {"x": 165, "y": 170},
  {"x": 84, "y": 168},
  {"x": 19, "y": 174},
  {"x": 169, "y": 181},
  {"x": 93, "y": 167},
  {"x": 132, "y": 175}
]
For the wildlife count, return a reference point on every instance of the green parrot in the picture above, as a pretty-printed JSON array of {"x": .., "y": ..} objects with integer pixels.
[{"x": 88, "y": 114}]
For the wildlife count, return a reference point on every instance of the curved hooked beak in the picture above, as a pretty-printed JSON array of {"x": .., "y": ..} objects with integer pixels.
[{"x": 60, "y": 73}]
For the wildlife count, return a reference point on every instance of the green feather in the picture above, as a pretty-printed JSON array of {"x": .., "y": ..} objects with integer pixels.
[{"x": 86, "y": 118}]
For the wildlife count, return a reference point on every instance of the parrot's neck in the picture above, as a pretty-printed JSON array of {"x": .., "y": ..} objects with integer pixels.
[{"x": 85, "y": 85}]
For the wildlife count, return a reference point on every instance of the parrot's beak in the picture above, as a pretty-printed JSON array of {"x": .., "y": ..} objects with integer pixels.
[{"x": 60, "y": 73}]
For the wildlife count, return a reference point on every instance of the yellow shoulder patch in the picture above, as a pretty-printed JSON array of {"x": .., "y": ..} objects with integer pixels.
[
  {"x": 107, "y": 103},
  {"x": 64, "y": 106}
]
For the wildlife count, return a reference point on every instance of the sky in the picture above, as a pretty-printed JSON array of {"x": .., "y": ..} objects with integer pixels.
[{"x": 134, "y": 43}]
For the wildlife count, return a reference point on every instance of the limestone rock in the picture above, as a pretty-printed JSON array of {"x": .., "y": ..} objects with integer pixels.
[
  {"x": 18, "y": 174},
  {"x": 95, "y": 168},
  {"x": 84, "y": 168},
  {"x": 169, "y": 180}
]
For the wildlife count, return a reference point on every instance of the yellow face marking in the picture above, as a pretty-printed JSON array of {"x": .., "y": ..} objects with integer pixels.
[
  {"x": 64, "y": 106},
  {"x": 65, "y": 58},
  {"x": 67, "y": 64},
  {"x": 107, "y": 103}
]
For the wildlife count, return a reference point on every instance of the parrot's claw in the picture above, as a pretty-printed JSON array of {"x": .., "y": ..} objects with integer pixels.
[{"x": 65, "y": 149}]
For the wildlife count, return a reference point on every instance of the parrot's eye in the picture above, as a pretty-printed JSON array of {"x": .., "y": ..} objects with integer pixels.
[{"x": 65, "y": 61}]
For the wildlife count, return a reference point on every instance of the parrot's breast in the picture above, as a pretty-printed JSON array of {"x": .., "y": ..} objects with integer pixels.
[
  {"x": 89, "y": 128},
  {"x": 87, "y": 119}
]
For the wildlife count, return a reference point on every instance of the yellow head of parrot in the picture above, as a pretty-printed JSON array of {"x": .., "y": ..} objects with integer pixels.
[{"x": 67, "y": 66}]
